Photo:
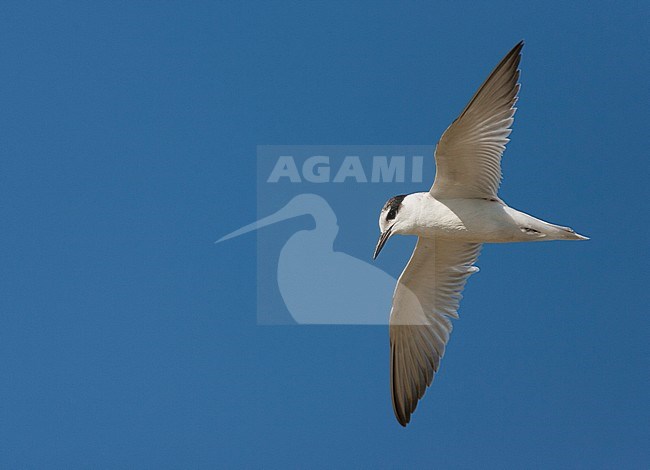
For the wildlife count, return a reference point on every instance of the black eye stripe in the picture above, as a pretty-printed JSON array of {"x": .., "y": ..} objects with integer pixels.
[{"x": 393, "y": 204}]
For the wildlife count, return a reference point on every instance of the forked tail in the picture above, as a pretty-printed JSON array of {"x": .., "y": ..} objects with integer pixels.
[{"x": 559, "y": 232}]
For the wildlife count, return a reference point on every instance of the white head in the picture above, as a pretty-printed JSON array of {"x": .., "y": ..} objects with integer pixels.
[{"x": 396, "y": 217}]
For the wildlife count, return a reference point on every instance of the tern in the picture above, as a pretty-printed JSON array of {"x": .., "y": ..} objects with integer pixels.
[{"x": 460, "y": 212}]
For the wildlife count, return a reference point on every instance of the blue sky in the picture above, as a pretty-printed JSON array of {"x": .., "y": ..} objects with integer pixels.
[{"x": 129, "y": 134}]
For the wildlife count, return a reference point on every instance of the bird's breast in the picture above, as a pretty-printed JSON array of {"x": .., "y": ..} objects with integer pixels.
[{"x": 474, "y": 220}]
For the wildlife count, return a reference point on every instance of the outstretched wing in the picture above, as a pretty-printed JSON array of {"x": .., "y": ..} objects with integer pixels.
[
  {"x": 426, "y": 297},
  {"x": 468, "y": 155}
]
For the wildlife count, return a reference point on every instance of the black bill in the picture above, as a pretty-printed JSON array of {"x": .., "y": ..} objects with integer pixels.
[{"x": 383, "y": 238}]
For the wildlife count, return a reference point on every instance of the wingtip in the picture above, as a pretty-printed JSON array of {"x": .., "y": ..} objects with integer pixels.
[
  {"x": 517, "y": 49},
  {"x": 402, "y": 418}
]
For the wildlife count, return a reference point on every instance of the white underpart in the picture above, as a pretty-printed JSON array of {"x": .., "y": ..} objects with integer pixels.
[{"x": 460, "y": 212}]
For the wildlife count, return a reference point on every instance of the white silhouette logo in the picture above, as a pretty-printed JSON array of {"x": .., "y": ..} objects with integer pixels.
[{"x": 304, "y": 279}]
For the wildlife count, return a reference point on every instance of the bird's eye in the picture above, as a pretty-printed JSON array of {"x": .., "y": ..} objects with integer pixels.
[{"x": 391, "y": 214}]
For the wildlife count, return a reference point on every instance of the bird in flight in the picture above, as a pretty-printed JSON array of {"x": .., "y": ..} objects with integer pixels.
[{"x": 460, "y": 212}]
